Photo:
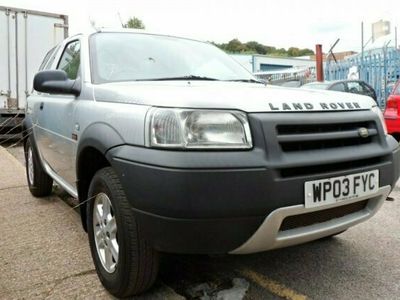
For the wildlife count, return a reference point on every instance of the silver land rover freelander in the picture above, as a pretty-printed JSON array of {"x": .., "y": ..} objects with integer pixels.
[{"x": 171, "y": 146}]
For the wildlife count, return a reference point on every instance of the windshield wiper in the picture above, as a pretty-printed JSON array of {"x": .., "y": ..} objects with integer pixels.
[
  {"x": 246, "y": 80},
  {"x": 188, "y": 77}
]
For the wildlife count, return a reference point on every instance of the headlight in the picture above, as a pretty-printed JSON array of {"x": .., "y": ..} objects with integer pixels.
[
  {"x": 197, "y": 129},
  {"x": 378, "y": 111}
]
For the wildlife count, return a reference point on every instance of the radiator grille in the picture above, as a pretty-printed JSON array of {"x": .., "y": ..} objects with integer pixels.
[
  {"x": 322, "y": 144},
  {"x": 302, "y": 137}
]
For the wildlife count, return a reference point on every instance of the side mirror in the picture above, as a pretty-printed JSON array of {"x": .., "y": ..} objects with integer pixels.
[{"x": 55, "y": 82}]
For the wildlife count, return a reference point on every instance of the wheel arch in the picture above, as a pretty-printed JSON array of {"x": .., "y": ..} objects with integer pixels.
[
  {"x": 27, "y": 129},
  {"x": 93, "y": 145}
]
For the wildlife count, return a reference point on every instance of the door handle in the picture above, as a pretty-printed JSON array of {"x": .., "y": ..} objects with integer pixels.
[{"x": 41, "y": 105}]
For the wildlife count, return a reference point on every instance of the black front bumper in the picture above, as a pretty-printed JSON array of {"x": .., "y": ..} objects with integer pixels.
[
  {"x": 194, "y": 203},
  {"x": 212, "y": 202}
]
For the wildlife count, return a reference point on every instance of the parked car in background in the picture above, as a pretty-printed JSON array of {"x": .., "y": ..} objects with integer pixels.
[
  {"x": 392, "y": 112},
  {"x": 347, "y": 86}
]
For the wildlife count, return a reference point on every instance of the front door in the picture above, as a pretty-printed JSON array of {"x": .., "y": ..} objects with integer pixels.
[{"x": 55, "y": 123}]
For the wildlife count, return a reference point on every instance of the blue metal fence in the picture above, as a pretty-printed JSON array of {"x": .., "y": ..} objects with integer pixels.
[{"x": 379, "y": 68}]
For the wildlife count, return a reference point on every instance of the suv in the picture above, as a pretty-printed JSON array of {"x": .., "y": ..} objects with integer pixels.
[{"x": 172, "y": 146}]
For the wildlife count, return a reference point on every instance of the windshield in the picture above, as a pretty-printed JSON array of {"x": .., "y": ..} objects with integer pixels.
[{"x": 136, "y": 56}]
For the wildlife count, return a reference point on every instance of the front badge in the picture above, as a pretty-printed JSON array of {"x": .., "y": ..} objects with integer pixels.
[{"x": 363, "y": 132}]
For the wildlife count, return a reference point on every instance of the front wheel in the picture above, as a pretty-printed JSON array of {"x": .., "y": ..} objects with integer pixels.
[{"x": 125, "y": 262}]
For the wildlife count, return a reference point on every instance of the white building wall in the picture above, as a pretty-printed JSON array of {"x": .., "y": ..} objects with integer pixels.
[{"x": 253, "y": 62}]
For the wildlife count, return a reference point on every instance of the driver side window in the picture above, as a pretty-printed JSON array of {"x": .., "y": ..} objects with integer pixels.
[{"x": 70, "y": 60}]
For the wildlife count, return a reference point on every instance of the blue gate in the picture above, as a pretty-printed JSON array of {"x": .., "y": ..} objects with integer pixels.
[{"x": 380, "y": 68}]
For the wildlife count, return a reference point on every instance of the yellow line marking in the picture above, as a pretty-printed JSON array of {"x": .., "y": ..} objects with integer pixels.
[{"x": 272, "y": 286}]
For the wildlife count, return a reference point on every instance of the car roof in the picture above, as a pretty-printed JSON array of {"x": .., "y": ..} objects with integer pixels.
[
  {"x": 331, "y": 82},
  {"x": 319, "y": 84},
  {"x": 92, "y": 31}
]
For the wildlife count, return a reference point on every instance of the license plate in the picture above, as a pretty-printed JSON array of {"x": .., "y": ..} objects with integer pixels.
[{"x": 332, "y": 190}]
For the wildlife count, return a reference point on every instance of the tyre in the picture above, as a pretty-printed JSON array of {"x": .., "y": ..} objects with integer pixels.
[
  {"x": 39, "y": 182},
  {"x": 125, "y": 262}
]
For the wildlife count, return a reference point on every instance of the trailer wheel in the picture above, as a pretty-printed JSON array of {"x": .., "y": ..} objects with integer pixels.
[{"x": 40, "y": 184}]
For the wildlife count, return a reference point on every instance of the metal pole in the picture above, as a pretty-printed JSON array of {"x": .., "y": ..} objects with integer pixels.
[
  {"x": 385, "y": 78},
  {"x": 16, "y": 56},
  {"x": 319, "y": 62},
  {"x": 8, "y": 53},
  {"x": 26, "y": 53},
  {"x": 362, "y": 52},
  {"x": 66, "y": 27},
  {"x": 362, "y": 41}
]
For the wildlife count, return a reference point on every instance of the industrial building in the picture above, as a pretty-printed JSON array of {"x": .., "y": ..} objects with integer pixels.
[{"x": 262, "y": 63}]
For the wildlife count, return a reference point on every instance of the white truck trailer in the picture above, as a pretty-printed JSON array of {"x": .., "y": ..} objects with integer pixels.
[{"x": 25, "y": 38}]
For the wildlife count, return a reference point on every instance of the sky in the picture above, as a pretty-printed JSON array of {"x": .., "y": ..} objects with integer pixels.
[{"x": 281, "y": 24}]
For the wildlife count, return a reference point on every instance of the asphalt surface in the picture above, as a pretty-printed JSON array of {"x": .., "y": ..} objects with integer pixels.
[{"x": 44, "y": 253}]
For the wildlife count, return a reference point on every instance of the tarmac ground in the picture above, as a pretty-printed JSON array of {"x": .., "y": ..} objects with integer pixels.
[{"x": 44, "y": 254}]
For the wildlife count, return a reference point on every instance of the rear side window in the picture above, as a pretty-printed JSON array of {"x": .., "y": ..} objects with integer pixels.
[
  {"x": 339, "y": 87},
  {"x": 71, "y": 59}
]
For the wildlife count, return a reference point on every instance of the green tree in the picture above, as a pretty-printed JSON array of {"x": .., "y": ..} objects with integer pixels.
[
  {"x": 251, "y": 47},
  {"x": 257, "y": 47},
  {"x": 305, "y": 52},
  {"x": 134, "y": 23},
  {"x": 280, "y": 52},
  {"x": 293, "y": 51},
  {"x": 235, "y": 46}
]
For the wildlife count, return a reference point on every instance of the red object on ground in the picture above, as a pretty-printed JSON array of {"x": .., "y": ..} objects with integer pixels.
[
  {"x": 319, "y": 58},
  {"x": 392, "y": 112}
]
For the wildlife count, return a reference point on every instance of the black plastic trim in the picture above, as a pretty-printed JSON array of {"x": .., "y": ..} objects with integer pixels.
[{"x": 196, "y": 236}]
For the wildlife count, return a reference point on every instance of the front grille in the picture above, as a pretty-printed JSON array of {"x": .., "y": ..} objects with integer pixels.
[
  {"x": 320, "y": 144},
  {"x": 302, "y": 137},
  {"x": 320, "y": 127},
  {"x": 321, "y": 216}
]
